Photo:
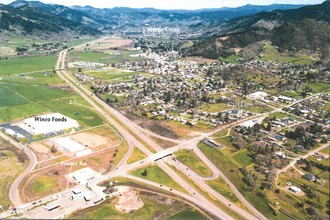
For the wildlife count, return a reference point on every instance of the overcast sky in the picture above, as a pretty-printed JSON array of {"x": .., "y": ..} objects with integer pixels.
[{"x": 171, "y": 4}]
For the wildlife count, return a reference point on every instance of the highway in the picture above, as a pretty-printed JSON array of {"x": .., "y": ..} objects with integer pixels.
[
  {"x": 135, "y": 136},
  {"x": 64, "y": 75}
]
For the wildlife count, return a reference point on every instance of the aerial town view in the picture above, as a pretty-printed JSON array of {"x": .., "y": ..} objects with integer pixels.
[{"x": 165, "y": 110}]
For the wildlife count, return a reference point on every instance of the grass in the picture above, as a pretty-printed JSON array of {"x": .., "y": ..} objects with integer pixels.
[
  {"x": 258, "y": 109},
  {"x": 243, "y": 158},
  {"x": 326, "y": 151},
  {"x": 214, "y": 108},
  {"x": 221, "y": 133},
  {"x": 280, "y": 115},
  {"x": 188, "y": 215},
  {"x": 13, "y": 162},
  {"x": 320, "y": 87},
  {"x": 88, "y": 56},
  {"x": 231, "y": 170},
  {"x": 136, "y": 156},
  {"x": 190, "y": 159},
  {"x": 9, "y": 98},
  {"x": 35, "y": 93},
  {"x": 26, "y": 64},
  {"x": 84, "y": 116},
  {"x": 208, "y": 196},
  {"x": 116, "y": 75},
  {"x": 155, "y": 174},
  {"x": 221, "y": 187},
  {"x": 43, "y": 185},
  {"x": 272, "y": 54},
  {"x": 231, "y": 59}
]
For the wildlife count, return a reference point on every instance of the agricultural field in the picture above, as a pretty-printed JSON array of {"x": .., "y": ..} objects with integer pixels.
[
  {"x": 25, "y": 95},
  {"x": 13, "y": 162},
  {"x": 106, "y": 56},
  {"x": 26, "y": 64},
  {"x": 116, "y": 75},
  {"x": 190, "y": 159}
]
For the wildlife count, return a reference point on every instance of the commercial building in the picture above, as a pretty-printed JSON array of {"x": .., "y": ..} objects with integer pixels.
[
  {"x": 69, "y": 145},
  {"x": 50, "y": 123}
]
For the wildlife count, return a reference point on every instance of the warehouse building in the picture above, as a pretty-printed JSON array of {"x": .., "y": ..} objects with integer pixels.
[{"x": 49, "y": 123}]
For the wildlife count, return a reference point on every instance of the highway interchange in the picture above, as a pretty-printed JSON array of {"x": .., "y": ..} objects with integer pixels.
[{"x": 136, "y": 136}]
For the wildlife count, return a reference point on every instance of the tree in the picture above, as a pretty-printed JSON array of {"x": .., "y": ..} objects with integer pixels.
[
  {"x": 145, "y": 173},
  {"x": 308, "y": 166},
  {"x": 53, "y": 149},
  {"x": 269, "y": 127}
]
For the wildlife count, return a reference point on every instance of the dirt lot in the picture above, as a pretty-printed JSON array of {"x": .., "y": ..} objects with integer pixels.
[
  {"x": 93, "y": 141},
  {"x": 129, "y": 201},
  {"x": 42, "y": 152},
  {"x": 110, "y": 43}
]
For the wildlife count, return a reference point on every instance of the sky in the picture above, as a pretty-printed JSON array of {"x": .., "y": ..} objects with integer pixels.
[{"x": 171, "y": 4}]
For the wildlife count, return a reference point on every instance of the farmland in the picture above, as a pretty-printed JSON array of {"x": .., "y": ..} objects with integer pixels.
[{"x": 26, "y": 64}]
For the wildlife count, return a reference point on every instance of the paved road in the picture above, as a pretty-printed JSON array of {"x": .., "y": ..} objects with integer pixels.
[
  {"x": 64, "y": 75},
  {"x": 294, "y": 161},
  {"x": 14, "y": 188}
]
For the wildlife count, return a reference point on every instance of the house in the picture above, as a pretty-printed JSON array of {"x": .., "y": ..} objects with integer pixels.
[
  {"x": 294, "y": 189},
  {"x": 310, "y": 177},
  {"x": 297, "y": 148}
]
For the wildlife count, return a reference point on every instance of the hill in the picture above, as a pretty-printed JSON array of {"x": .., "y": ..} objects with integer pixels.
[
  {"x": 33, "y": 21},
  {"x": 294, "y": 29}
]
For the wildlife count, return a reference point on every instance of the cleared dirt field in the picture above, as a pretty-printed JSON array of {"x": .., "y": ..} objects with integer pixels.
[
  {"x": 92, "y": 140},
  {"x": 129, "y": 201}
]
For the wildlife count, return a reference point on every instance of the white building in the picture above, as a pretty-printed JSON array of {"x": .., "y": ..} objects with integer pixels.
[
  {"x": 82, "y": 176},
  {"x": 69, "y": 145},
  {"x": 257, "y": 95},
  {"x": 294, "y": 189},
  {"x": 49, "y": 123}
]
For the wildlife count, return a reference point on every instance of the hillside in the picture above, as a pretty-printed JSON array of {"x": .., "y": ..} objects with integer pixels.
[
  {"x": 32, "y": 21},
  {"x": 297, "y": 29},
  {"x": 60, "y": 11}
]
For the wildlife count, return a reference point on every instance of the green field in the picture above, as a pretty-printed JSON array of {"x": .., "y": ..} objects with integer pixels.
[
  {"x": 243, "y": 157},
  {"x": 320, "y": 87},
  {"x": 280, "y": 115},
  {"x": 136, "y": 156},
  {"x": 43, "y": 185},
  {"x": 35, "y": 93},
  {"x": 115, "y": 75},
  {"x": 272, "y": 54},
  {"x": 109, "y": 56},
  {"x": 155, "y": 174},
  {"x": 188, "y": 215},
  {"x": 221, "y": 187},
  {"x": 26, "y": 64},
  {"x": 190, "y": 159}
]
